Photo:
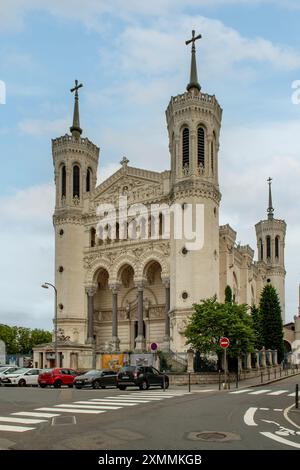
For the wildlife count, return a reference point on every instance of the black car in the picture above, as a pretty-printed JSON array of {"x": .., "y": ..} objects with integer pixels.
[
  {"x": 96, "y": 379},
  {"x": 142, "y": 377}
]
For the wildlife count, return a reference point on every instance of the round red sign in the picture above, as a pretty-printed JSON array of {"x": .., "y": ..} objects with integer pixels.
[{"x": 224, "y": 342}]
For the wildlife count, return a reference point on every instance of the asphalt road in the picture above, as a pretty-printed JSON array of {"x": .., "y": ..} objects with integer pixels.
[{"x": 252, "y": 419}]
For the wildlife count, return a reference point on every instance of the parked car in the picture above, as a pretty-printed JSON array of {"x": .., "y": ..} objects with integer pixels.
[
  {"x": 22, "y": 377},
  {"x": 57, "y": 377},
  {"x": 4, "y": 370},
  {"x": 96, "y": 379},
  {"x": 142, "y": 377}
]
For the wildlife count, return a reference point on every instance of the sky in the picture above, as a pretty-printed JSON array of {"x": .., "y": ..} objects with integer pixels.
[{"x": 131, "y": 57}]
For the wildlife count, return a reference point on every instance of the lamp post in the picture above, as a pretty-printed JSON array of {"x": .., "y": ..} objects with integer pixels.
[{"x": 46, "y": 286}]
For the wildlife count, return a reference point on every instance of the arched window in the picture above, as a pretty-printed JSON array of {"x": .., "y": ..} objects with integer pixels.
[
  {"x": 160, "y": 230},
  {"x": 88, "y": 180},
  {"x": 93, "y": 237},
  {"x": 76, "y": 181},
  {"x": 261, "y": 245},
  {"x": 277, "y": 247},
  {"x": 63, "y": 181},
  {"x": 185, "y": 147},
  {"x": 117, "y": 231},
  {"x": 201, "y": 147},
  {"x": 268, "y": 240}
]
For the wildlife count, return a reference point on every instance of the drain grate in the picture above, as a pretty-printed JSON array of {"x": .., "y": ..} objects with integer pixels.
[
  {"x": 213, "y": 436},
  {"x": 63, "y": 420}
]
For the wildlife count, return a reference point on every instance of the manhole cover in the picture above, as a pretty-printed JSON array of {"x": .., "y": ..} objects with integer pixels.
[
  {"x": 63, "y": 420},
  {"x": 213, "y": 436}
]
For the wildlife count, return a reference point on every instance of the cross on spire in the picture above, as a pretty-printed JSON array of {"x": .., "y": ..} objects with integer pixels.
[
  {"x": 193, "y": 75},
  {"x": 76, "y": 129},
  {"x": 270, "y": 209}
]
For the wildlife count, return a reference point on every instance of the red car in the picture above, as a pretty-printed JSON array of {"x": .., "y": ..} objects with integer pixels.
[{"x": 57, "y": 377}]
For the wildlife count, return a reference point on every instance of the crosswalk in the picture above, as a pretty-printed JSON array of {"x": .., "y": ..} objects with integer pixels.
[
  {"x": 23, "y": 421},
  {"x": 264, "y": 391}
]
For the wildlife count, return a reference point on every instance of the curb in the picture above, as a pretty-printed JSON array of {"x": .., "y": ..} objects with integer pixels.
[{"x": 274, "y": 380}]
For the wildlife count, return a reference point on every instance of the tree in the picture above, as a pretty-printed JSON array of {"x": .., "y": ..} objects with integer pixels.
[
  {"x": 24, "y": 340},
  {"x": 211, "y": 320},
  {"x": 40, "y": 337},
  {"x": 271, "y": 321},
  {"x": 9, "y": 334},
  {"x": 228, "y": 294},
  {"x": 257, "y": 326},
  {"x": 21, "y": 340}
]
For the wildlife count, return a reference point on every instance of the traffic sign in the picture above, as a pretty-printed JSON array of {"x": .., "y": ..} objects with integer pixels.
[
  {"x": 224, "y": 342},
  {"x": 153, "y": 346}
]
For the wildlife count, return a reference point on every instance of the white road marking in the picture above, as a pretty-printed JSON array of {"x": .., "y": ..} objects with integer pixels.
[
  {"x": 242, "y": 391},
  {"x": 80, "y": 407},
  {"x": 280, "y": 439},
  {"x": 285, "y": 414},
  {"x": 278, "y": 409},
  {"x": 36, "y": 415},
  {"x": 278, "y": 392},
  {"x": 73, "y": 410},
  {"x": 10, "y": 419},
  {"x": 94, "y": 405},
  {"x": 259, "y": 392},
  {"x": 264, "y": 409},
  {"x": 109, "y": 402},
  {"x": 249, "y": 416},
  {"x": 292, "y": 394},
  {"x": 4, "y": 427}
]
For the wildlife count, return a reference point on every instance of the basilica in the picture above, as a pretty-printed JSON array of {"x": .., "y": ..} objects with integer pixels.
[{"x": 120, "y": 294}]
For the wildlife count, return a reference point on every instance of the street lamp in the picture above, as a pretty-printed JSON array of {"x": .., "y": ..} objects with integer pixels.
[{"x": 46, "y": 286}]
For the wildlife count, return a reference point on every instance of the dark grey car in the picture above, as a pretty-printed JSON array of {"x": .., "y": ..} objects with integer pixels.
[{"x": 96, "y": 379}]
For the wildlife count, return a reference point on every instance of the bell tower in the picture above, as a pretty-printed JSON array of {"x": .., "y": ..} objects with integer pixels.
[
  {"x": 194, "y": 123},
  {"x": 270, "y": 235},
  {"x": 75, "y": 161}
]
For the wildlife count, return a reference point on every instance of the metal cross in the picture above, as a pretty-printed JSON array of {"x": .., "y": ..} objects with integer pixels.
[
  {"x": 194, "y": 38},
  {"x": 270, "y": 180},
  {"x": 76, "y": 87}
]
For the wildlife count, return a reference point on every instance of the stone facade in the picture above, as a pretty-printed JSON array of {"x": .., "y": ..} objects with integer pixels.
[{"x": 123, "y": 294}]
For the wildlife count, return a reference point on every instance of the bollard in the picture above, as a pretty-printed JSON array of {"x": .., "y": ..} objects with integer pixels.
[
  {"x": 219, "y": 380},
  {"x": 275, "y": 372},
  {"x": 280, "y": 371},
  {"x": 237, "y": 380},
  {"x": 297, "y": 397},
  {"x": 261, "y": 377},
  {"x": 164, "y": 382},
  {"x": 268, "y": 374},
  {"x": 229, "y": 381},
  {"x": 189, "y": 381}
]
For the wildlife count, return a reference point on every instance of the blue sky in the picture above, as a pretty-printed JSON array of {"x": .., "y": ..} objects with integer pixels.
[{"x": 131, "y": 58}]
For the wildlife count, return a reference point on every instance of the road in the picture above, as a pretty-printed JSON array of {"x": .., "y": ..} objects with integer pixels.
[{"x": 254, "y": 418}]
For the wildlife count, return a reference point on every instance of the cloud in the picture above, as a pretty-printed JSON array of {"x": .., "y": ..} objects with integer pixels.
[{"x": 43, "y": 127}]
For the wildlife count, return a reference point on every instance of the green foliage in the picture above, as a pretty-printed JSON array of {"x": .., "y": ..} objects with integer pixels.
[
  {"x": 211, "y": 320},
  {"x": 20, "y": 340},
  {"x": 257, "y": 326},
  {"x": 271, "y": 321},
  {"x": 228, "y": 294}
]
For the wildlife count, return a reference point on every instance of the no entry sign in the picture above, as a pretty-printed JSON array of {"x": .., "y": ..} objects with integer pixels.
[{"x": 224, "y": 342}]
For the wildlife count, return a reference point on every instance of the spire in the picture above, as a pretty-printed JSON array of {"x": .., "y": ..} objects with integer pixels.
[
  {"x": 75, "y": 129},
  {"x": 193, "y": 76},
  {"x": 270, "y": 208}
]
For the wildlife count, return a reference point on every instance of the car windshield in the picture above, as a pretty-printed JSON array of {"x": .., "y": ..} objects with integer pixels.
[
  {"x": 128, "y": 369},
  {"x": 2, "y": 369},
  {"x": 92, "y": 372},
  {"x": 20, "y": 371}
]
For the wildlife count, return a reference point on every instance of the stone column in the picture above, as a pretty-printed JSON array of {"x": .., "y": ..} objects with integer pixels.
[
  {"x": 115, "y": 339},
  {"x": 248, "y": 361},
  {"x": 263, "y": 357},
  {"x": 166, "y": 343},
  {"x": 140, "y": 343},
  {"x": 257, "y": 359},
  {"x": 190, "y": 361},
  {"x": 270, "y": 357},
  {"x": 90, "y": 316},
  {"x": 275, "y": 362}
]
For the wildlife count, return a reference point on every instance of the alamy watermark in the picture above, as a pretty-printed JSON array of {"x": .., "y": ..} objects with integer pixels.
[
  {"x": 158, "y": 221},
  {"x": 2, "y": 92}
]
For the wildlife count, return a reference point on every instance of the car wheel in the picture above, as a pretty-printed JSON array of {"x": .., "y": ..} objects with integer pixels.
[
  {"x": 78, "y": 387},
  {"x": 144, "y": 385},
  {"x": 121, "y": 387},
  {"x": 102, "y": 386},
  {"x": 57, "y": 384},
  {"x": 70, "y": 385},
  {"x": 166, "y": 385},
  {"x": 22, "y": 383},
  {"x": 96, "y": 384},
  {"x": 43, "y": 385}
]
